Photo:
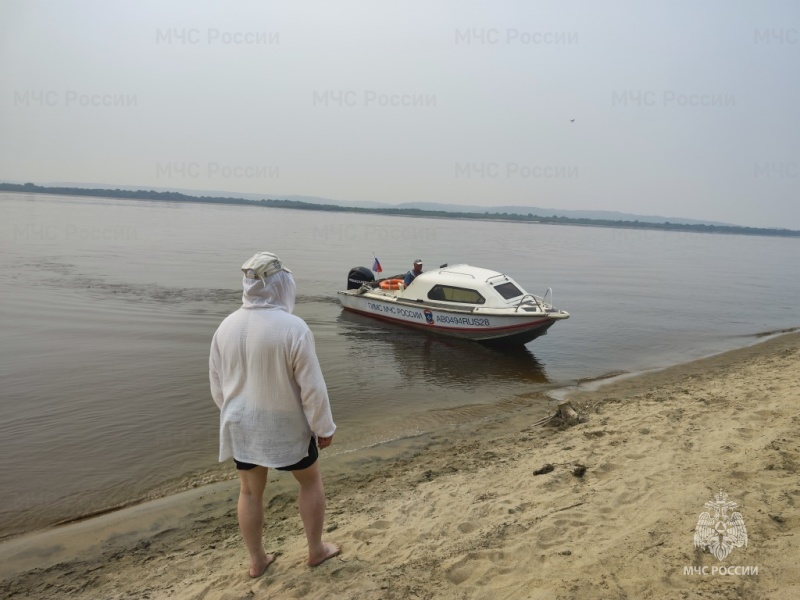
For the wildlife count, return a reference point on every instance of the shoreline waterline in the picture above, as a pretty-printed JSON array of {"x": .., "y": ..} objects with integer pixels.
[{"x": 595, "y": 383}]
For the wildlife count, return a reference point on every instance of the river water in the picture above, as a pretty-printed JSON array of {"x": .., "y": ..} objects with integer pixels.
[{"x": 108, "y": 308}]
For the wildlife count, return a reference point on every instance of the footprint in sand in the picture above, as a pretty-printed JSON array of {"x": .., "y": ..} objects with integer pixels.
[
  {"x": 475, "y": 566},
  {"x": 372, "y": 530},
  {"x": 467, "y": 527}
]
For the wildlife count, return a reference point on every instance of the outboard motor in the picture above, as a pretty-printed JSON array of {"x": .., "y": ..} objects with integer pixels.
[{"x": 358, "y": 276}]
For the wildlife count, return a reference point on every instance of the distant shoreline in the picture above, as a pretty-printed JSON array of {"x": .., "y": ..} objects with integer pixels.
[{"x": 30, "y": 188}]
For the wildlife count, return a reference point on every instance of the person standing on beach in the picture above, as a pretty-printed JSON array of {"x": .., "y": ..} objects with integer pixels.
[{"x": 274, "y": 406}]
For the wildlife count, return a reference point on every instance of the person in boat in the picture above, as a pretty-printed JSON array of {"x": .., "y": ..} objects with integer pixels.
[
  {"x": 412, "y": 274},
  {"x": 274, "y": 408}
]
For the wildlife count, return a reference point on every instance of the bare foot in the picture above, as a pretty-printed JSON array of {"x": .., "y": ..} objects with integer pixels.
[
  {"x": 329, "y": 551},
  {"x": 258, "y": 570}
]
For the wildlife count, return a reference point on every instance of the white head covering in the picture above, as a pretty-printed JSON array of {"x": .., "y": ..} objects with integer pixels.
[
  {"x": 263, "y": 264},
  {"x": 267, "y": 283}
]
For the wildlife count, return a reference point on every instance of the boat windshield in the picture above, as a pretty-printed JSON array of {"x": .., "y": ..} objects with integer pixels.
[{"x": 508, "y": 290}]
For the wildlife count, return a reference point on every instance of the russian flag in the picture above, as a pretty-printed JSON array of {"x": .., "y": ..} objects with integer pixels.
[{"x": 376, "y": 266}]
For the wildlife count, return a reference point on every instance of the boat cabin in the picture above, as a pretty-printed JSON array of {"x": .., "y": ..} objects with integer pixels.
[{"x": 464, "y": 285}]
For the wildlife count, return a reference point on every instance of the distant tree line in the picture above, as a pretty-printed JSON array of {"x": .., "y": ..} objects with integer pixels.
[{"x": 409, "y": 212}]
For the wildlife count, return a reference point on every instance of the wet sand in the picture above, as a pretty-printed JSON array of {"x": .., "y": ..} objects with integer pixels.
[{"x": 461, "y": 514}]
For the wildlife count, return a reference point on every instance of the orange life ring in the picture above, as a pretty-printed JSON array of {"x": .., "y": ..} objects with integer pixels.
[{"x": 391, "y": 284}]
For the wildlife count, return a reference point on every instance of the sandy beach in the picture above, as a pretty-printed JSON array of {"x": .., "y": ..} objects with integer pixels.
[{"x": 611, "y": 513}]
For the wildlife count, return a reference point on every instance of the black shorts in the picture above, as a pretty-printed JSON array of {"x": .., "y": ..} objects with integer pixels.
[{"x": 313, "y": 455}]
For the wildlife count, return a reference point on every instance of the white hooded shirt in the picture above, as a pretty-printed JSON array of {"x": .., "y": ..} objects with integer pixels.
[{"x": 266, "y": 379}]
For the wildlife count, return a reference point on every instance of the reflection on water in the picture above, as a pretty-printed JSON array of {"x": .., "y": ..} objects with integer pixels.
[
  {"x": 391, "y": 382},
  {"x": 440, "y": 360}
]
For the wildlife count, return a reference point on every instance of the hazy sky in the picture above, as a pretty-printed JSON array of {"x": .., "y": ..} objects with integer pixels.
[{"x": 681, "y": 108}]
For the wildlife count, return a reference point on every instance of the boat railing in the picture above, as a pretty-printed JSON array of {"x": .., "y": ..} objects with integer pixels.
[
  {"x": 532, "y": 297},
  {"x": 496, "y": 276},
  {"x": 454, "y": 272},
  {"x": 541, "y": 301}
]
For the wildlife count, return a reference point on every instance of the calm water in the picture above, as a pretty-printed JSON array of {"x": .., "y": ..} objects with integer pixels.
[{"x": 108, "y": 308}]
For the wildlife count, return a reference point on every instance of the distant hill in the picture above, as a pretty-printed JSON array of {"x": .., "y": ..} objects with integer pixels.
[
  {"x": 514, "y": 215},
  {"x": 216, "y": 193},
  {"x": 428, "y": 206},
  {"x": 558, "y": 212}
]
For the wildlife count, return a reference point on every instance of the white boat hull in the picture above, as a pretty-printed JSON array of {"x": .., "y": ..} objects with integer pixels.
[{"x": 482, "y": 326}]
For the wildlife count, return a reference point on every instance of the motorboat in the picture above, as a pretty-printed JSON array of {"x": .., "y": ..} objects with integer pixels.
[{"x": 458, "y": 301}]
